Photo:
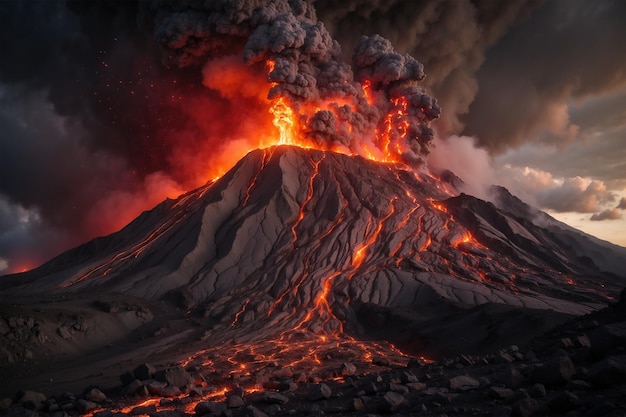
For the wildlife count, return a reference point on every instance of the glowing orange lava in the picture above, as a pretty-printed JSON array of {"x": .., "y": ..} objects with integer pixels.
[{"x": 284, "y": 120}]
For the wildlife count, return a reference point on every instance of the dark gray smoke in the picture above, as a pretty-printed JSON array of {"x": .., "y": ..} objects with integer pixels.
[
  {"x": 308, "y": 71},
  {"x": 449, "y": 37}
]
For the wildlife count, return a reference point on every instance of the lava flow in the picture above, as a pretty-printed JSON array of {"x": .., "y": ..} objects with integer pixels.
[{"x": 279, "y": 256}]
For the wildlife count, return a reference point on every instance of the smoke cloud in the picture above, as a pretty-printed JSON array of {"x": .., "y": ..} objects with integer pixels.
[
  {"x": 609, "y": 214},
  {"x": 303, "y": 65},
  {"x": 542, "y": 189},
  {"x": 450, "y": 38},
  {"x": 535, "y": 78}
]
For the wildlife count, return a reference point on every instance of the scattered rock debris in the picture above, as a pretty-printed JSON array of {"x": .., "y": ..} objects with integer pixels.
[{"x": 583, "y": 377}]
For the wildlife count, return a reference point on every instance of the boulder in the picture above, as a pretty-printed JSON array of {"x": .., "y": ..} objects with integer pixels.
[
  {"x": 416, "y": 386},
  {"x": 252, "y": 411},
  {"x": 357, "y": 404},
  {"x": 319, "y": 392},
  {"x": 286, "y": 372},
  {"x": 563, "y": 402},
  {"x": 608, "y": 371},
  {"x": 144, "y": 371},
  {"x": 525, "y": 407},
  {"x": 143, "y": 409},
  {"x": 271, "y": 397},
  {"x": 606, "y": 339},
  {"x": 134, "y": 387},
  {"x": 500, "y": 393},
  {"x": 400, "y": 389},
  {"x": 380, "y": 361},
  {"x": 85, "y": 406},
  {"x": 235, "y": 401},
  {"x": 96, "y": 396},
  {"x": 170, "y": 391},
  {"x": 64, "y": 332},
  {"x": 463, "y": 383},
  {"x": 127, "y": 378},
  {"x": 390, "y": 401},
  {"x": 557, "y": 371},
  {"x": 156, "y": 387},
  {"x": 31, "y": 400},
  {"x": 513, "y": 378},
  {"x": 347, "y": 369},
  {"x": 209, "y": 407},
  {"x": 175, "y": 376},
  {"x": 407, "y": 377}
]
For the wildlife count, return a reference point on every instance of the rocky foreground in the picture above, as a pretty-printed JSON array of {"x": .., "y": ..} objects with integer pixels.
[{"x": 577, "y": 369}]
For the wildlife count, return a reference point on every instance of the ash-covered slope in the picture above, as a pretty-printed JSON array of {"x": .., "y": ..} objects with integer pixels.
[
  {"x": 607, "y": 256},
  {"x": 297, "y": 257},
  {"x": 296, "y": 238}
]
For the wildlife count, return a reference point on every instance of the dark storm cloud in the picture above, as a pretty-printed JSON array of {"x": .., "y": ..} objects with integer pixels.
[
  {"x": 566, "y": 51},
  {"x": 622, "y": 204},
  {"x": 448, "y": 37},
  {"x": 601, "y": 157},
  {"x": 87, "y": 111},
  {"x": 608, "y": 214},
  {"x": 575, "y": 194}
]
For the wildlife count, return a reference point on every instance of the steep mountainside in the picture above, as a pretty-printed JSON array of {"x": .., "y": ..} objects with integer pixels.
[
  {"x": 308, "y": 235},
  {"x": 300, "y": 256}
]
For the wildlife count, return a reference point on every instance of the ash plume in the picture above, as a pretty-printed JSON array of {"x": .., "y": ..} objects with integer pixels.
[
  {"x": 114, "y": 94},
  {"x": 449, "y": 37},
  {"x": 305, "y": 67}
]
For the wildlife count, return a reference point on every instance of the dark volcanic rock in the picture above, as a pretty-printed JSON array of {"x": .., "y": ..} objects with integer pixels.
[
  {"x": 525, "y": 407},
  {"x": 463, "y": 383},
  {"x": 319, "y": 392},
  {"x": 209, "y": 407},
  {"x": 554, "y": 372},
  {"x": 390, "y": 401},
  {"x": 347, "y": 369},
  {"x": 175, "y": 376},
  {"x": 611, "y": 370},
  {"x": 275, "y": 398},
  {"x": 252, "y": 411},
  {"x": 84, "y": 406},
  {"x": 500, "y": 392},
  {"x": 143, "y": 409},
  {"x": 19, "y": 411},
  {"x": 96, "y": 396},
  {"x": 31, "y": 400},
  {"x": 564, "y": 401},
  {"x": 608, "y": 338},
  {"x": 144, "y": 371}
]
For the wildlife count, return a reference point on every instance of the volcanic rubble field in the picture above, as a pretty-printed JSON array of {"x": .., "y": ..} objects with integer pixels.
[{"x": 576, "y": 369}]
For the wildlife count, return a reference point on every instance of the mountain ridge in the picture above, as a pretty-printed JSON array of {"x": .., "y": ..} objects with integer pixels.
[
  {"x": 278, "y": 200},
  {"x": 297, "y": 253}
]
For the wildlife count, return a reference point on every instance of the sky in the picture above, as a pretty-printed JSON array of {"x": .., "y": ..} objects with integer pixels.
[{"x": 107, "y": 108}]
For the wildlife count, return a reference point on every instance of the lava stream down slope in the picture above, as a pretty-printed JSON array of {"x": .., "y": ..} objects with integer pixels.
[{"x": 286, "y": 250}]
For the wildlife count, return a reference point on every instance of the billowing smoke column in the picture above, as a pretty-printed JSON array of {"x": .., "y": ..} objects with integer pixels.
[{"x": 378, "y": 110}]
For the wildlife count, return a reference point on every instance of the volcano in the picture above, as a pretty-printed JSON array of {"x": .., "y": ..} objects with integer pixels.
[{"x": 300, "y": 255}]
